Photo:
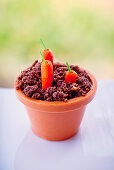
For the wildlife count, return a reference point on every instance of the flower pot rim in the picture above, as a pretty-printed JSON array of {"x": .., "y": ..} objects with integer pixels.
[{"x": 75, "y": 100}]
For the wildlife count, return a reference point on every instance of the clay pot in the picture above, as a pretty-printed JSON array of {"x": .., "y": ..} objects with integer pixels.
[{"x": 56, "y": 120}]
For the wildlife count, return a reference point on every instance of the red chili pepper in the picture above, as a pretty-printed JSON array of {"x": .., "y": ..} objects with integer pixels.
[
  {"x": 47, "y": 53},
  {"x": 70, "y": 75},
  {"x": 46, "y": 74}
]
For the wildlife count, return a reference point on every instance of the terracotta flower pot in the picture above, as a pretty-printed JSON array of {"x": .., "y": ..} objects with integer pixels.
[{"x": 56, "y": 120}]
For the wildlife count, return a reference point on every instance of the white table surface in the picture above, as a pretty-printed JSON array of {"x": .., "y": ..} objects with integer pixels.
[{"x": 91, "y": 149}]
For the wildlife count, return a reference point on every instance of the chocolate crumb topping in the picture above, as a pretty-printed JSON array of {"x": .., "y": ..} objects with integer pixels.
[{"x": 29, "y": 81}]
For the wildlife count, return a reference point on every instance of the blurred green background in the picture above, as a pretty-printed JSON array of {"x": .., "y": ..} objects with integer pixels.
[{"x": 81, "y": 32}]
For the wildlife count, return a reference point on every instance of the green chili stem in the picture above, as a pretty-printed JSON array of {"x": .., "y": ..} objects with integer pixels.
[
  {"x": 43, "y": 57},
  {"x": 68, "y": 66},
  {"x": 43, "y": 44}
]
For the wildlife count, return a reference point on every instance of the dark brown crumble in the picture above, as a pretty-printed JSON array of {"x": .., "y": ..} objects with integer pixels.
[{"x": 29, "y": 81}]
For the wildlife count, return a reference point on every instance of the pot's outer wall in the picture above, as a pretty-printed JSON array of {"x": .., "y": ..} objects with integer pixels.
[
  {"x": 55, "y": 126},
  {"x": 56, "y": 120}
]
